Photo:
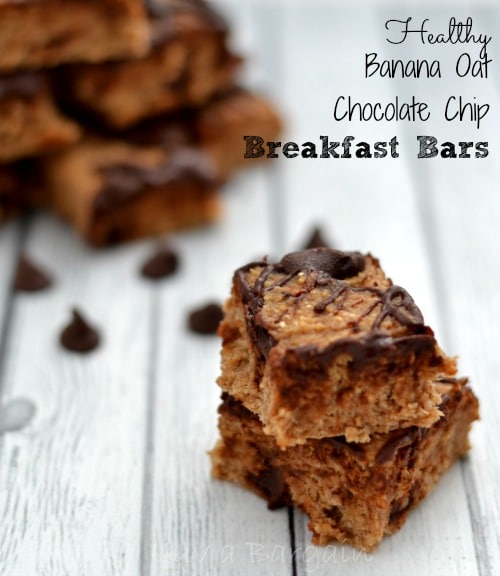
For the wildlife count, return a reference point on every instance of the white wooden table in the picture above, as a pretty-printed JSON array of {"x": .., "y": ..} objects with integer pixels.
[{"x": 110, "y": 476}]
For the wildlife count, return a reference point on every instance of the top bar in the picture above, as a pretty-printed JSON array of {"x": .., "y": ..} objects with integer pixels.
[{"x": 323, "y": 344}]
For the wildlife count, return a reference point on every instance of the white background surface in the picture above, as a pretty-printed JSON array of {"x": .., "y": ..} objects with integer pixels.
[{"x": 110, "y": 477}]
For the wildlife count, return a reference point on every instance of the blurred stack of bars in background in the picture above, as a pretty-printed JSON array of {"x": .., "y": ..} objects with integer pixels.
[{"x": 125, "y": 118}]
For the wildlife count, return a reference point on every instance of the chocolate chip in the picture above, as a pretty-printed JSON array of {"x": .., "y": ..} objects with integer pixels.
[
  {"x": 392, "y": 446},
  {"x": 341, "y": 444},
  {"x": 25, "y": 85},
  {"x": 29, "y": 277},
  {"x": 272, "y": 486},
  {"x": 234, "y": 407},
  {"x": 79, "y": 336},
  {"x": 335, "y": 263},
  {"x": 334, "y": 513},
  {"x": 206, "y": 319},
  {"x": 163, "y": 263},
  {"x": 316, "y": 240}
]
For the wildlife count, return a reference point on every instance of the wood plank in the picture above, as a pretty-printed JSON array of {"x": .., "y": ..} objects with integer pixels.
[
  {"x": 367, "y": 205},
  {"x": 10, "y": 237},
  {"x": 201, "y": 526},
  {"x": 463, "y": 236},
  {"x": 71, "y": 481},
  {"x": 459, "y": 208}
]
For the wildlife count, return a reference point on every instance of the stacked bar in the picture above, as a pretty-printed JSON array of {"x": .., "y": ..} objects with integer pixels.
[
  {"x": 130, "y": 110},
  {"x": 187, "y": 63},
  {"x": 161, "y": 176},
  {"x": 35, "y": 36},
  {"x": 336, "y": 396}
]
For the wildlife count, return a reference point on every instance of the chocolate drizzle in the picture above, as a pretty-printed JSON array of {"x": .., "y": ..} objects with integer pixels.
[
  {"x": 328, "y": 269},
  {"x": 253, "y": 299},
  {"x": 123, "y": 182}
]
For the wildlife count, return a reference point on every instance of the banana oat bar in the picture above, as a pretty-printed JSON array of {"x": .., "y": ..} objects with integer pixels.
[
  {"x": 322, "y": 344},
  {"x": 44, "y": 33},
  {"x": 160, "y": 177},
  {"x": 29, "y": 121},
  {"x": 187, "y": 64},
  {"x": 352, "y": 493}
]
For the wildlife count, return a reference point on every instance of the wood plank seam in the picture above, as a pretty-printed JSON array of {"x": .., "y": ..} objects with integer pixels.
[
  {"x": 149, "y": 445},
  {"x": 270, "y": 30},
  {"x": 23, "y": 227},
  {"x": 423, "y": 191}
]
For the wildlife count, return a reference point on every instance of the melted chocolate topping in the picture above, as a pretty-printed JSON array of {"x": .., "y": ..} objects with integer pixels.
[
  {"x": 79, "y": 336},
  {"x": 124, "y": 182},
  {"x": 162, "y": 264},
  {"x": 328, "y": 269},
  {"x": 29, "y": 277},
  {"x": 206, "y": 320}
]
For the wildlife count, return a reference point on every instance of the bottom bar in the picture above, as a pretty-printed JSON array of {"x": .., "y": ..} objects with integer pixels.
[{"x": 352, "y": 493}]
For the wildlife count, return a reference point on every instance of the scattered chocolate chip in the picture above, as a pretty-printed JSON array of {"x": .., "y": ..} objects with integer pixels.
[
  {"x": 316, "y": 240},
  {"x": 162, "y": 264},
  {"x": 335, "y": 263},
  {"x": 16, "y": 414},
  {"x": 29, "y": 277},
  {"x": 79, "y": 336},
  {"x": 206, "y": 320}
]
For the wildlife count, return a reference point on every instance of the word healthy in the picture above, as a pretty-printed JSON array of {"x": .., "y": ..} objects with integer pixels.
[{"x": 467, "y": 64}]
